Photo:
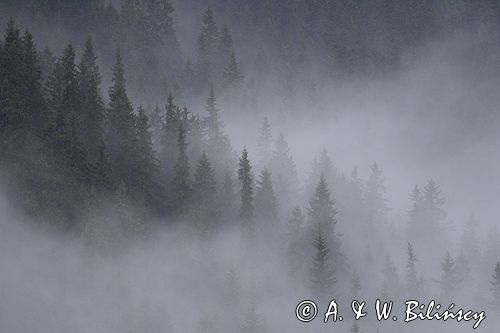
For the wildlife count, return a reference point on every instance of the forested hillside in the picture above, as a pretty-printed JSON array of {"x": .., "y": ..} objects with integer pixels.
[{"x": 138, "y": 194}]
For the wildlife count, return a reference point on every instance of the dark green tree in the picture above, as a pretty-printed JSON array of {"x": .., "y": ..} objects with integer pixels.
[
  {"x": 181, "y": 184},
  {"x": 246, "y": 178},
  {"x": 322, "y": 277},
  {"x": 232, "y": 75},
  {"x": 411, "y": 272},
  {"x": 265, "y": 143},
  {"x": 120, "y": 136},
  {"x": 265, "y": 200},
  {"x": 205, "y": 190},
  {"x": 91, "y": 104}
]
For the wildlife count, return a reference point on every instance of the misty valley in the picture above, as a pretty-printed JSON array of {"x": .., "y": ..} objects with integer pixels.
[{"x": 249, "y": 166}]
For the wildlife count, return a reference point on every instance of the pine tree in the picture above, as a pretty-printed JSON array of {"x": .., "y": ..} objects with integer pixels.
[
  {"x": 416, "y": 222},
  {"x": 321, "y": 209},
  {"x": 375, "y": 194},
  {"x": 265, "y": 200},
  {"x": 264, "y": 144},
  {"x": 321, "y": 275},
  {"x": 449, "y": 277},
  {"x": 213, "y": 123},
  {"x": 232, "y": 75},
  {"x": 91, "y": 104},
  {"x": 495, "y": 287},
  {"x": 168, "y": 138},
  {"x": 207, "y": 47},
  {"x": 295, "y": 222},
  {"x": 181, "y": 185},
  {"x": 284, "y": 173},
  {"x": 411, "y": 272},
  {"x": 227, "y": 202},
  {"x": 145, "y": 166},
  {"x": 433, "y": 202},
  {"x": 120, "y": 127},
  {"x": 205, "y": 189},
  {"x": 246, "y": 178}
]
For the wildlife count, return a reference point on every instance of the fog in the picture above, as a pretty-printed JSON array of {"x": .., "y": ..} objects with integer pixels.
[{"x": 165, "y": 243}]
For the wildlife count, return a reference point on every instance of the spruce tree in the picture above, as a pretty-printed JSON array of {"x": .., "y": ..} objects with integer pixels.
[
  {"x": 205, "y": 190},
  {"x": 232, "y": 75},
  {"x": 322, "y": 277},
  {"x": 227, "y": 201},
  {"x": 449, "y": 277},
  {"x": 322, "y": 209},
  {"x": 246, "y": 178},
  {"x": 145, "y": 164},
  {"x": 265, "y": 200},
  {"x": 411, "y": 272},
  {"x": 181, "y": 186},
  {"x": 285, "y": 174},
  {"x": 120, "y": 127},
  {"x": 264, "y": 144},
  {"x": 91, "y": 104}
]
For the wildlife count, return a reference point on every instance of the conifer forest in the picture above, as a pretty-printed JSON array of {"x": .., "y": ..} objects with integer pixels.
[{"x": 254, "y": 166}]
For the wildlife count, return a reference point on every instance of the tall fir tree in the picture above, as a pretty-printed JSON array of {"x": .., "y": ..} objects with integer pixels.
[
  {"x": 232, "y": 76},
  {"x": 449, "y": 277},
  {"x": 322, "y": 277},
  {"x": 265, "y": 144},
  {"x": 181, "y": 184},
  {"x": 411, "y": 272},
  {"x": 205, "y": 190},
  {"x": 120, "y": 126},
  {"x": 266, "y": 204},
  {"x": 285, "y": 174},
  {"x": 91, "y": 104},
  {"x": 246, "y": 178}
]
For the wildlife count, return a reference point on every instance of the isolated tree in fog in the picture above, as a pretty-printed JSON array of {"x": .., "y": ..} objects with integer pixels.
[
  {"x": 181, "y": 186},
  {"x": 265, "y": 199},
  {"x": 433, "y": 204},
  {"x": 411, "y": 272},
  {"x": 321, "y": 209},
  {"x": 246, "y": 178},
  {"x": 264, "y": 144},
  {"x": 449, "y": 277},
  {"x": 322, "y": 276},
  {"x": 495, "y": 287},
  {"x": 232, "y": 75}
]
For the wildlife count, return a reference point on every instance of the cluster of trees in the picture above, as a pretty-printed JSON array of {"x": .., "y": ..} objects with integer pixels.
[
  {"x": 286, "y": 39},
  {"x": 86, "y": 165}
]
